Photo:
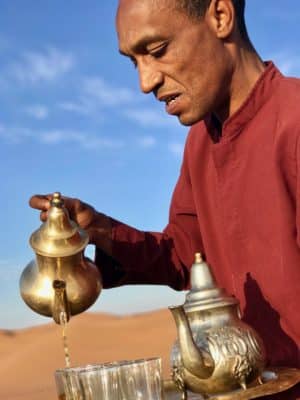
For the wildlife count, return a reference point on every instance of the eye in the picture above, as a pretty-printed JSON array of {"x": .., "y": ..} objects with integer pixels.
[
  {"x": 133, "y": 60},
  {"x": 158, "y": 51}
]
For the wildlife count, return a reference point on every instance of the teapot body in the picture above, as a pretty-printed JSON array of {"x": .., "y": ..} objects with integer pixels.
[
  {"x": 235, "y": 348},
  {"x": 81, "y": 277},
  {"x": 60, "y": 282}
]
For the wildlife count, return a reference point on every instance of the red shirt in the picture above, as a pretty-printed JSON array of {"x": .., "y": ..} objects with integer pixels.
[{"x": 236, "y": 200}]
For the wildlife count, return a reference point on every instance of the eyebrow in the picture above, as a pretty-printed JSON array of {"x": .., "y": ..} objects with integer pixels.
[{"x": 142, "y": 43}]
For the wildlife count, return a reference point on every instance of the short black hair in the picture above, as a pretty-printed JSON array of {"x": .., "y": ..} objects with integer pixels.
[{"x": 197, "y": 9}]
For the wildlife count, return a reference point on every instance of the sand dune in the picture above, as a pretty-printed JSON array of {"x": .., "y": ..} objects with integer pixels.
[{"x": 29, "y": 357}]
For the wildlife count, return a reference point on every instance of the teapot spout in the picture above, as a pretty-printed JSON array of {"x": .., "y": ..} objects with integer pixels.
[
  {"x": 61, "y": 309},
  {"x": 197, "y": 361}
]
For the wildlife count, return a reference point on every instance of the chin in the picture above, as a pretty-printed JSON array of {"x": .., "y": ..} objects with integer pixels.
[{"x": 188, "y": 120}]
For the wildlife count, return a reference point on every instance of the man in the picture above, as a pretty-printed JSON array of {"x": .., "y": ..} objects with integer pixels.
[{"x": 237, "y": 196}]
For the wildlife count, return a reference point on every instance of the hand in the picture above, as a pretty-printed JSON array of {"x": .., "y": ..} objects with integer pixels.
[
  {"x": 97, "y": 225},
  {"x": 79, "y": 212}
]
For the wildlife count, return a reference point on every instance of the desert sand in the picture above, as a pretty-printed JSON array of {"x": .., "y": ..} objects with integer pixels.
[{"x": 29, "y": 357}]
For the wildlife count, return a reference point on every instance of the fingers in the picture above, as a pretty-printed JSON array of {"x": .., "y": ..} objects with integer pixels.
[
  {"x": 40, "y": 202},
  {"x": 79, "y": 211},
  {"x": 43, "y": 216}
]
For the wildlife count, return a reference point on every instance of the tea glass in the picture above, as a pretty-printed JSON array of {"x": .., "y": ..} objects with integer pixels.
[{"x": 120, "y": 380}]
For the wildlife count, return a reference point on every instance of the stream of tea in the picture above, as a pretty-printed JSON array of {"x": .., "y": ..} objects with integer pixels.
[{"x": 63, "y": 322}]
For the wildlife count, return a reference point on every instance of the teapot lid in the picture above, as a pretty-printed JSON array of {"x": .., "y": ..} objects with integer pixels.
[
  {"x": 204, "y": 293},
  {"x": 59, "y": 236}
]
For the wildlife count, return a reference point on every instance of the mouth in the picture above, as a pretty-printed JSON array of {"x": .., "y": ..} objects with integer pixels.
[
  {"x": 168, "y": 99},
  {"x": 172, "y": 102}
]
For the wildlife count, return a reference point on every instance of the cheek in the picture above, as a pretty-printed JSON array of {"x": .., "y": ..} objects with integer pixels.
[
  {"x": 200, "y": 84},
  {"x": 207, "y": 66},
  {"x": 209, "y": 79}
]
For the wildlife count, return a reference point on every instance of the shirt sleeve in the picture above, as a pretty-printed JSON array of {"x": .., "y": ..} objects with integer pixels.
[
  {"x": 297, "y": 174},
  {"x": 162, "y": 258}
]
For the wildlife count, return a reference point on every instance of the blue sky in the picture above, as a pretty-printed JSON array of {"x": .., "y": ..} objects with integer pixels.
[{"x": 72, "y": 119}]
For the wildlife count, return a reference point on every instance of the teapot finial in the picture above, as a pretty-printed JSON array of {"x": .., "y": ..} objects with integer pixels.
[
  {"x": 57, "y": 200},
  {"x": 198, "y": 258}
]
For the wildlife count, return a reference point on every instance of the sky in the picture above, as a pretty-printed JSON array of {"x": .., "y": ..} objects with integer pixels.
[{"x": 72, "y": 119}]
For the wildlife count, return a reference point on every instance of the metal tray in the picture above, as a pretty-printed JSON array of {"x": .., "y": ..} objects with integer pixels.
[{"x": 274, "y": 381}]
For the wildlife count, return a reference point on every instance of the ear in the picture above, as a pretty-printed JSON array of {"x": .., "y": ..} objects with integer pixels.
[{"x": 221, "y": 17}]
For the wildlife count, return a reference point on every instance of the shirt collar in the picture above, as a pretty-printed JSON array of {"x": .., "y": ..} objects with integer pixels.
[{"x": 257, "y": 97}]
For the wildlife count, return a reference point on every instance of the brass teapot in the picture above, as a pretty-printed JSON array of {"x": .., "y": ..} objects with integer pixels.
[
  {"x": 60, "y": 282},
  {"x": 216, "y": 352}
]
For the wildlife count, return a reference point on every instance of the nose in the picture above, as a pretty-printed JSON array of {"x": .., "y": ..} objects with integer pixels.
[{"x": 150, "y": 77}]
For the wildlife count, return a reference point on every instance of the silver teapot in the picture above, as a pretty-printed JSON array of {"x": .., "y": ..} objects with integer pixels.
[{"x": 216, "y": 352}]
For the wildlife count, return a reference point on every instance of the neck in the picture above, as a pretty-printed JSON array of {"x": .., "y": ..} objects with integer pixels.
[{"x": 246, "y": 70}]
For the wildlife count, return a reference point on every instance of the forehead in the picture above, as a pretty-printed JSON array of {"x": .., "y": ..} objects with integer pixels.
[
  {"x": 147, "y": 5},
  {"x": 138, "y": 18}
]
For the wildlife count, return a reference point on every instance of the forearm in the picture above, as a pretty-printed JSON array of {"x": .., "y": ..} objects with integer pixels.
[{"x": 140, "y": 257}]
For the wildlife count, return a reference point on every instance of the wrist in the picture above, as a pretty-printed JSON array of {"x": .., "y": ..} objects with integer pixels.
[{"x": 100, "y": 232}]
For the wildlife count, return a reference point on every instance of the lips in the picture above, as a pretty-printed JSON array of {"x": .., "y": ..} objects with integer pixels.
[
  {"x": 172, "y": 101},
  {"x": 168, "y": 97}
]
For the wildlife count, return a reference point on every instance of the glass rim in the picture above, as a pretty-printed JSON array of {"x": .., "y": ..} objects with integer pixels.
[{"x": 98, "y": 366}]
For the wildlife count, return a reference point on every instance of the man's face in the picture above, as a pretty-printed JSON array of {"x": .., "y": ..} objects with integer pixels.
[{"x": 178, "y": 58}]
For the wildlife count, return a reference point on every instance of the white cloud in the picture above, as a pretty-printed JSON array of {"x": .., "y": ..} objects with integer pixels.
[
  {"x": 83, "y": 108},
  {"x": 176, "y": 148},
  {"x": 146, "y": 142},
  {"x": 85, "y": 140},
  {"x": 146, "y": 117},
  {"x": 44, "y": 66},
  {"x": 96, "y": 143},
  {"x": 53, "y": 137},
  {"x": 37, "y": 111},
  {"x": 14, "y": 135},
  {"x": 97, "y": 94},
  {"x": 96, "y": 89},
  {"x": 59, "y": 136},
  {"x": 56, "y": 136}
]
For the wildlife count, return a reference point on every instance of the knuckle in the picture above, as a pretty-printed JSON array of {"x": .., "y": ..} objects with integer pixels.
[{"x": 77, "y": 204}]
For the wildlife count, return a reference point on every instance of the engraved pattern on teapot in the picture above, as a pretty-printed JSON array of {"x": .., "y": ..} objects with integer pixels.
[{"x": 240, "y": 345}]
